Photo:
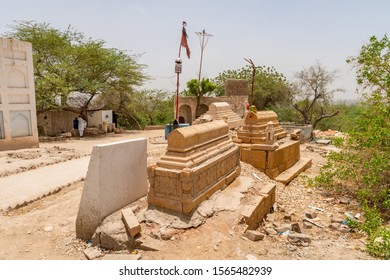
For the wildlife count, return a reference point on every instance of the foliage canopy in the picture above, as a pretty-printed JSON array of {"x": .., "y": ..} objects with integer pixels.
[{"x": 66, "y": 61}]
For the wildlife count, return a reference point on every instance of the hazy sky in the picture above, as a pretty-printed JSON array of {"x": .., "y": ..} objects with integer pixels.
[{"x": 289, "y": 35}]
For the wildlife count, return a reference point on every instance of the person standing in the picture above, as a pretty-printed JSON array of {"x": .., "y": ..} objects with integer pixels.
[{"x": 82, "y": 124}]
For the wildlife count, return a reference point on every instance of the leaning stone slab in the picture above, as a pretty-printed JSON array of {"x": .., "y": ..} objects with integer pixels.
[{"x": 116, "y": 177}]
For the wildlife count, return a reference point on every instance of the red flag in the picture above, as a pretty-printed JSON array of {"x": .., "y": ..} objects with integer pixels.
[{"x": 184, "y": 42}]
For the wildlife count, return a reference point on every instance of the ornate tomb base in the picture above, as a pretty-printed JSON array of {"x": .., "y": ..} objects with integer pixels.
[
  {"x": 200, "y": 160},
  {"x": 264, "y": 144}
]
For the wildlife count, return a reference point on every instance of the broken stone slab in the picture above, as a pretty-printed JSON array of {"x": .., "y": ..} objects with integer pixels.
[
  {"x": 131, "y": 222},
  {"x": 299, "y": 237},
  {"x": 168, "y": 218},
  {"x": 117, "y": 257},
  {"x": 112, "y": 234},
  {"x": 254, "y": 212},
  {"x": 254, "y": 235},
  {"x": 92, "y": 253}
]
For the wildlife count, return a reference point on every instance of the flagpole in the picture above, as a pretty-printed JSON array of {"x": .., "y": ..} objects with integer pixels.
[
  {"x": 178, "y": 81},
  {"x": 178, "y": 66}
]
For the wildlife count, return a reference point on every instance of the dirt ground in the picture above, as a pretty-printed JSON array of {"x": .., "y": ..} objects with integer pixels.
[{"x": 45, "y": 229}]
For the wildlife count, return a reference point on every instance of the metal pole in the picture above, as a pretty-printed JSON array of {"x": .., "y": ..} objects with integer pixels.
[
  {"x": 177, "y": 97},
  {"x": 201, "y": 55},
  {"x": 202, "y": 47}
]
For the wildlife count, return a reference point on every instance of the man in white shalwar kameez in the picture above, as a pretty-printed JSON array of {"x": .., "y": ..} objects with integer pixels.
[{"x": 82, "y": 125}]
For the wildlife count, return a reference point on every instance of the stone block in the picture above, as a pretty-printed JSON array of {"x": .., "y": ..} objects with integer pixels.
[
  {"x": 116, "y": 177},
  {"x": 131, "y": 222},
  {"x": 253, "y": 235},
  {"x": 255, "y": 158}
]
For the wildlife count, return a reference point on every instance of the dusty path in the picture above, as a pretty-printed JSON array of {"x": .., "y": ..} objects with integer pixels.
[{"x": 45, "y": 229}]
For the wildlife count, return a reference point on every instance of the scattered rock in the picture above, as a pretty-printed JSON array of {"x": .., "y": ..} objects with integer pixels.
[
  {"x": 292, "y": 248},
  {"x": 288, "y": 217},
  {"x": 48, "y": 228},
  {"x": 307, "y": 225},
  {"x": 92, "y": 253},
  {"x": 283, "y": 228},
  {"x": 330, "y": 199},
  {"x": 336, "y": 220},
  {"x": 296, "y": 227},
  {"x": 334, "y": 225},
  {"x": 357, "y": 216},
  {"x": 311, "y": 215},
  {"x": 254, "y": 235},
  {"x": 344, "y": 200},
  {"x": 271, "y": 231},
  {"x": 270, "y": 218},
  {"x": 167, "y": 233},
  {"x": 250, "y": 257},
  {"x": 294, "y": 237}
]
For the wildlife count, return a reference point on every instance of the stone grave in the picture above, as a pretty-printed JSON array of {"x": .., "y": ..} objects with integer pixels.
[
  {"x": 264, "y": 145},
  {"x": 220, "y": 111},
  {"x": 199, "y": 160}
]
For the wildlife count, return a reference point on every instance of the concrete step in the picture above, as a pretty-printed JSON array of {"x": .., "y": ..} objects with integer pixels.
[{"x": 286, "y": 176}]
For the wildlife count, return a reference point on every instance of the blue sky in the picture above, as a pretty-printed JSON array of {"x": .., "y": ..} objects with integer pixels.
[{"x": 288, "y": 35}]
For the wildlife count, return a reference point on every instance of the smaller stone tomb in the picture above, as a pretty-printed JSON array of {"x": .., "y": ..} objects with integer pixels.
[
  {"x": 199, "y": 160},
  {"x": 116, "y": 177},
  {"x": 220, "y": 111},
  {"x": 264, "y": 144},
  {"x": 255, "y": 124}
]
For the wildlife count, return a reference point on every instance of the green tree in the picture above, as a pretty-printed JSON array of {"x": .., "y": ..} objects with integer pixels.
[
  {"x": 67, "y": 62},
  {"x": 152, "y": 107},
  {"x": 312, "y": 94},
  {"x": 270, "y": 87},
  {"x": 373, "y": 66},
  {"x": 363, "y": 165},
  {"x": 194, "y": 88}
]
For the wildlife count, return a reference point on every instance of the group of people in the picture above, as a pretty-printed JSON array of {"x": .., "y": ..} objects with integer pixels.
[{"x": 80, "y": 124}]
